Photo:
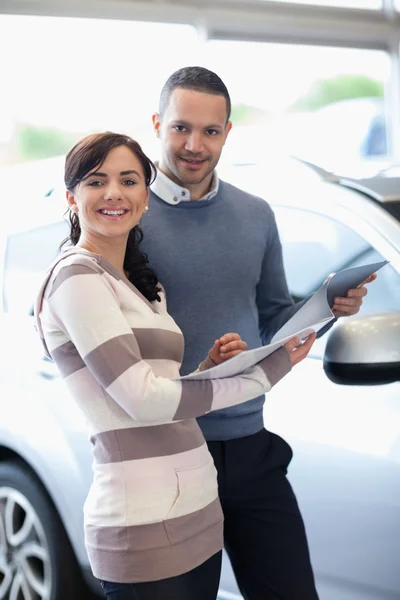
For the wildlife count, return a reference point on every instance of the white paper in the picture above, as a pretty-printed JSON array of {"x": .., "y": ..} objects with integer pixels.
[
  {"x": 244, "y": 360},
  {"x": 316, "y": 312},
  {"x": 312, "y": 316}
]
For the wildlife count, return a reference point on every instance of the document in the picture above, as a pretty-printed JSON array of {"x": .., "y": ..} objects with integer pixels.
[{"x": 315, "y": 313}]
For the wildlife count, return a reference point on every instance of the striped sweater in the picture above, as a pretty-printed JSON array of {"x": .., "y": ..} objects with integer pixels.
[{"x": 153, "y": 510}]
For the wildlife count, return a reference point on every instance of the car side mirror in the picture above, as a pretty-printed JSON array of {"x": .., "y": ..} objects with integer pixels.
[{"x": 364, "y": 351}]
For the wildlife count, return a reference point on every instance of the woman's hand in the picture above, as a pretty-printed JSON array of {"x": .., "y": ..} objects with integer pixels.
[
  {"x": 225, "y": 347},
  {"x": 298, "y": 350}
]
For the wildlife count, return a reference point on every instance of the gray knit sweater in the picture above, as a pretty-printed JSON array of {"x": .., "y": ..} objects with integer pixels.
[{"x": 220, "y": 262}]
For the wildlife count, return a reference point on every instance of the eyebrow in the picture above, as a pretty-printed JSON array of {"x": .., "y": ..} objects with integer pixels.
[
  {"x": 186, "y": 124},
  {"x": 99, "y": 174},
  {"x": 130, "y": 172}
]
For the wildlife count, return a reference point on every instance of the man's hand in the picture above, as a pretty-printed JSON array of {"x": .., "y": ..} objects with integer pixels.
[
  {"x": 346, "y": 307},
  {"x": 298, "y": 350},
  {"x": 226, "y": 346}
]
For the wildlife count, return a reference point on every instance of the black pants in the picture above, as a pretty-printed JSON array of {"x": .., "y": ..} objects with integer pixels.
[
  {"x": 264, "y": 531},
  {"x": 199, "y": 584}
]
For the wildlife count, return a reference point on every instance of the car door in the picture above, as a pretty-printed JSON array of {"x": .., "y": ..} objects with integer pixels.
[
  {"x": 346, "y": 440},
  {"x": 39, "y": 420}
]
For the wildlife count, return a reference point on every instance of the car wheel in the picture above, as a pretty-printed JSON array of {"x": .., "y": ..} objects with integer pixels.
[{"x": 36, "y": 558}]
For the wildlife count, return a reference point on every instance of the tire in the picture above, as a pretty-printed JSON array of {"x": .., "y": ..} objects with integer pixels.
[{"x": 36, "y": 558}]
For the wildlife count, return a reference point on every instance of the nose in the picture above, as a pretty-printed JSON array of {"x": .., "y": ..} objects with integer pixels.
[
  {"x": 112, "y": 191},
  {"x": 194, "y": 143}
]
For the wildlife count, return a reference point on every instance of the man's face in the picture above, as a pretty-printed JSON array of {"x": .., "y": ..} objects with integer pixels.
[{"x": 192, "y": 131}]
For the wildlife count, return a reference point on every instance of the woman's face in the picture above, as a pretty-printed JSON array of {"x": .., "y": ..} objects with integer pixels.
[{"x": 111, "y": 199}]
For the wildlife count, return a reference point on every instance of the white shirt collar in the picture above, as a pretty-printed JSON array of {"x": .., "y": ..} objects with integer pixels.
[{"x": 172, "y": 193}]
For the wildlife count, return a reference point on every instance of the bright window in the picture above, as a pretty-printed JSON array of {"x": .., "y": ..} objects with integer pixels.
[
  {"x": 64, "y": 77},
  {"x": 325, "y": 105},
  {"x": 370, "y": 4}
]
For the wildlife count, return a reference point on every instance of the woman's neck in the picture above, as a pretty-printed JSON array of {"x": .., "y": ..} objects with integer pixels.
[{"x": 111, "y": 249}]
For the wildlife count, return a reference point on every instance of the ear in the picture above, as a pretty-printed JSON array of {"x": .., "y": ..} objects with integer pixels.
[
  {"x": 71, "y": 201},
  {"x": 228, "y": 127},
  {"x": 156, "y": 123}
]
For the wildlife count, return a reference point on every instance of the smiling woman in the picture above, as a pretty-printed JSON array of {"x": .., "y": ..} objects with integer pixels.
[
  {"x": 109, "y": 203},
  {"x": 112, "y": 196}
]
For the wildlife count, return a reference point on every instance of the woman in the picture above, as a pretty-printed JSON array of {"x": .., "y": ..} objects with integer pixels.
[{"x": 153, "y": 522}]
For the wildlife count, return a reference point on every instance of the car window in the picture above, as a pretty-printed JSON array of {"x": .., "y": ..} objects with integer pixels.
[
  {"x": 375, "y": 142},
  {"x": 28, "y": 254},
  {"x": 315, "y": 245}
]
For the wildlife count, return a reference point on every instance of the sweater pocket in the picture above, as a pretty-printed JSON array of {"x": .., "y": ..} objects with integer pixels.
[{"x": 197, "y": 506}]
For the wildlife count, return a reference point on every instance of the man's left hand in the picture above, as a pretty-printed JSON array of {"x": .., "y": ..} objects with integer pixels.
[{"x": 346, "y": 307}]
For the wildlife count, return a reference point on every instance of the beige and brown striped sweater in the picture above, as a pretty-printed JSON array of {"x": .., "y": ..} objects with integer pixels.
[{"x": 153, "y": 510}]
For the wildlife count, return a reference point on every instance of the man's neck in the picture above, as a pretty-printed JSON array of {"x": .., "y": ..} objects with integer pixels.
[
  {"x": 200, "y": 190},
  {"x": 197, "y": 191}
]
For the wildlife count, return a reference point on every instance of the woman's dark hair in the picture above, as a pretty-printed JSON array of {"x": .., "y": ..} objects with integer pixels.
[{"x": 89, "y": 154}]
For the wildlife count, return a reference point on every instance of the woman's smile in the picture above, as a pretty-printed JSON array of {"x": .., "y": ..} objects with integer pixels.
[{"x": 113, "y": 214}]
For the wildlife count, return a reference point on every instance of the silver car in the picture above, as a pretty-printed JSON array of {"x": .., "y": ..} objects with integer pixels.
[{"x": 340, "y": 409}]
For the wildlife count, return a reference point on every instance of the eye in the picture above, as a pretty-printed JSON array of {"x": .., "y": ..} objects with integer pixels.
[
  {"x": 212, "y": 132},
  {"x": 179, "y": 128},
  {"x": 95, "y": 183},
  {"x": 129, "y": 182}
]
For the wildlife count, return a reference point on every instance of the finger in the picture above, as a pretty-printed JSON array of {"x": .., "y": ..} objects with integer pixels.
[
  {"x": 298, "y": 355},
  {"x": 292, "y": 344},
  {"x": 229, "y": 337},
  {"x": 215, "y": 349},
  {"x": 236, "y": 345},
  {"x": 231, "y": 354},
  {"x": 329, "y": 277},
  {"x": 359, "y": 292},
  {"x": 350, "y": 307},
  {"x": 347, "y": 310},
  {"x": 369, "y": 279},
  {"x": 306, "y": 344},
  {"x": 342, "y": 302},
  {"x": 301, "y": 352},
  {"x": 304, "y": 348}
]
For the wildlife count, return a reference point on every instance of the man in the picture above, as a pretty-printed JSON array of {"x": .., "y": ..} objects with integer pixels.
[{"x": 217, "y": 252}]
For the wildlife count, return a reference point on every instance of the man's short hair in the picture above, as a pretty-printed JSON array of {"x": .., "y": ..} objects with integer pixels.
[{"x": 198, "y": 79}]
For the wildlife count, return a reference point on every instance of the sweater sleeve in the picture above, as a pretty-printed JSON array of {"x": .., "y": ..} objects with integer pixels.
[
  {"x": 274, "y": 303},
  {"x": 87, "y": 309}
]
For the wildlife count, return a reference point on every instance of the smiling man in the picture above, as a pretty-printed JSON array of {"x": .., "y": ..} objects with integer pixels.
[
  {"x": 217, "y": 252},
  {"x": 193, "y": 128}
]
